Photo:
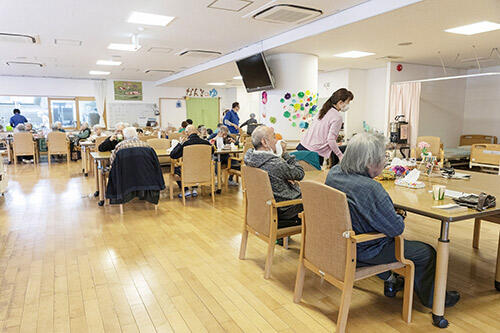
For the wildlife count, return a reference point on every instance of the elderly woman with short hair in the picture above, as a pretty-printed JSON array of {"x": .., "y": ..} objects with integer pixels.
[{"x": 372, "y": 210}]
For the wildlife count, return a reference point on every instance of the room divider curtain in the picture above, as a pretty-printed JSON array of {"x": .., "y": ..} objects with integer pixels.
[
  {"x": 405, "y": 99},
  {"x": 100, "y": 90},
  {"x": 203, "y": 111}
]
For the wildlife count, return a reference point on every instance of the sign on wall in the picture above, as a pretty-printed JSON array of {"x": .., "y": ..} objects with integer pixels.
[
  {"x": 200, "y": 92},
  {"x": 128, "y": 91}
]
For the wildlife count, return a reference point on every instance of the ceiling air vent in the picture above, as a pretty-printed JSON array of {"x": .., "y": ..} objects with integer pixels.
[
  {"x": 19, "y": 38},
  {"x": 231, "y": 5},
  {"x": 158, "y": 49},
  {"x": 23, "y": 63},
  {"x": 287, "y": 14},
  {"x": 389, "y": 57},
  {"x": 165, "y": 71},
  {"x": 199, "y": 53}
]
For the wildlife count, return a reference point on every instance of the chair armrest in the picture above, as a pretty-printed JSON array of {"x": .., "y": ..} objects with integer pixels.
[
  {"x": 287, "y": 203},
  {"x": 361, "y": 238},
  {"x": 400, "y": 249}
]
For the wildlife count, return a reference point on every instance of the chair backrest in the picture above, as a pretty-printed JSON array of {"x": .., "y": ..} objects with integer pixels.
[
  {"x": 57, "y": 142},
  {"x": 196, "y": 164},
  {"x": 99, "y": 140},
  {"x": 145, "y": 138},
  {"x": 306, "y": 166},
  {"x": 23, "y": 143},
  {"x": 159, "y": 143},
  {"x": 435, "y": 143},
  {"x": 327, "y": 217},
  {"x": 175, "y": 136},
  {"x": 247, "y": 145},
  {"x": 258, "y": 193}
]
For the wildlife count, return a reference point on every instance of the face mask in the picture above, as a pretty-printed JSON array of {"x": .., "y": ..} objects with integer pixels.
[
  {"x": 345, "y": 108},
  {"x": 279, "y": 149}
]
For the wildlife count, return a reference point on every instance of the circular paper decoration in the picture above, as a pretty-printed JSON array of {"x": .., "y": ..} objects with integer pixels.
[
  {"x": 287, "y": 96},
  {"x": 272, "y": 120},
  {"x": 294, "y": 125},
  {"x": 286, "y": 114},
  {"x": 300, "y": 94},
  {"x": 264, "y": 97},
  {"x": 294, "y": 101},
  {"x": 282, "y": 100},
  {"x": 399, "y": 67},
  {"x": 308, "y": 92},
  {"x": 296, "y": 106}
]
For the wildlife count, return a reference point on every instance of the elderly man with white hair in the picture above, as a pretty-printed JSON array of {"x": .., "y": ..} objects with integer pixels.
[
  {"x": 110, "y": 143},
  {"x": 283, "y": 170},
  {"x": 372, "y": 210},
  {"x": 130, "y": 140}
]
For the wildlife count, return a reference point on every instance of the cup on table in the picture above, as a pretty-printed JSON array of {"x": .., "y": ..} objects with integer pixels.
[{"x": 438, "y": 192}]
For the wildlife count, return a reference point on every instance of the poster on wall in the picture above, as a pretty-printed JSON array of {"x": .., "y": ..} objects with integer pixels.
[{"x": 128, "y": 91}]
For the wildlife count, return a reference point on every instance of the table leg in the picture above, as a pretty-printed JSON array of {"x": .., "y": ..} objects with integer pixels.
[
  {"x": 96, "y": 176},
  {"x": 100, "y": 172},
  {"x": 87, "y": 157},
  {"x": 219, "y": 174},
  {"x": 497, "y": 273},
  {"x": 84, "y": 161},
  {"x": 441, "y": 277}
]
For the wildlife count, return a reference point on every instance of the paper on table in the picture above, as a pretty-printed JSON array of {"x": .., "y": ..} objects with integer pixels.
[
  {"x": 173, "y": 143},
  {"x": 449, "y": 206},
  {"x": 454, "y": 194},
  {"x": 459, "y": 175},
  {"x": 411, "y": 180}
]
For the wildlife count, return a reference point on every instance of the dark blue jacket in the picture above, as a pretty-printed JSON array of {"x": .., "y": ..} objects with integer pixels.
[
  {"x": 233, "y": 117},
  {"x": 17, "y": 119}
]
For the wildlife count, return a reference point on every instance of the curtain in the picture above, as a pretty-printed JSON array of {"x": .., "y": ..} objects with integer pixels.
[
  {"x": 100, "y": 91},
  {"x": 405, "y": 99}
]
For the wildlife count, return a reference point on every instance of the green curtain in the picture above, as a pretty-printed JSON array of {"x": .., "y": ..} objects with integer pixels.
[{"x": 203, "y": 111}]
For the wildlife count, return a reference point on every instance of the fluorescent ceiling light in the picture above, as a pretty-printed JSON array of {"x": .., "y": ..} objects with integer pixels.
[
  {"x": 124, "y": 47},
  {"x": 149, "y": 19},
  {"x": 237, "y": 78},
  {"x": 474, "y": 28},
  {"x": 108, "y": 63},
  {"x": 216, "y": 84},
  {"x": 99, "y": 73},
  {"x": 353, "y": 54}
]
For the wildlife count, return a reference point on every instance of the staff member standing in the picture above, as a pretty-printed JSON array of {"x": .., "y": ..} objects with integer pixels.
[
  {"x": 324, "y": 130},
  {"x": 232, "y": 120},
  {"x": 17, "y": 118}
]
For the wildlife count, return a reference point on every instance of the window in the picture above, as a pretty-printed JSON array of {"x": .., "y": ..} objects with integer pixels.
[
  {"x": 87, "y": 108},
  {"x": 64, "y": 110},
  {"x": 34, "y": 108}
]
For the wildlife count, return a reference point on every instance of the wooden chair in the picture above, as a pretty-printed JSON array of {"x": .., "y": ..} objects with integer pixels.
[
  {"x": 197, "y": 168},
  {"x": 160, "y": 144},
  {"x": 307, "y": 166},
  {"x": 239, "y": 159},
  {"x": 145, "y": 138},
  {"x": 328, "y": 248},
  {"x": 24, "y": 145},
  {"x": 176, "y": 136},
  {"x": 436, "y": 149},
  {"x": 57, "y": 144},
  {"x": 261, "y": 214}
]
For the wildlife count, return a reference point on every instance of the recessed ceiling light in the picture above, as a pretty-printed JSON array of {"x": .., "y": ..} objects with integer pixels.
[
  {"x": 124, "y": 47},
  {"x": 474, "y": 28},
  {"x": 238, "y": 78},
  {"x": 149, "y": 19},
  {"x": 353, "y": 54},
  {"x": 216, "y": 84},
  {"x": 99, "y": 73},
  {"x": 108, "y": 63}
]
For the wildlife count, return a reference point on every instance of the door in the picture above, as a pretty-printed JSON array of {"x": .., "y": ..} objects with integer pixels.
[{"x": 203, "y": 111}]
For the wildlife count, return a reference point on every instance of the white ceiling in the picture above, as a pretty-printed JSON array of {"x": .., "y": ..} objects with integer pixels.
[
  {"x": 98, "y": 23},
  {"x": 422, "y": 23}
]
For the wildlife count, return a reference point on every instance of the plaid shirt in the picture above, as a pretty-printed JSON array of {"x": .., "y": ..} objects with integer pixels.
[
  {"x": 370, "y": 207},
  {"x": 129, "y": 143}
]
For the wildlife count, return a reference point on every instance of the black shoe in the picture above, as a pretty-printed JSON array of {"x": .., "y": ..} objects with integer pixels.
[
  {"x": 391, "y": 288},
  {"x": 452, "y": 298}
]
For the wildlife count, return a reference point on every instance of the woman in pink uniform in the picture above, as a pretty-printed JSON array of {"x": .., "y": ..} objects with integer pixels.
[{"x": 321, "y": 137}]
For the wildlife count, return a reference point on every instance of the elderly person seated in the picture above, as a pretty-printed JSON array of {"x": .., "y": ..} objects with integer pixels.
[
  {"x": 110, "y": 143},
  {"x": 29, "y": 127},
  {"x": 58, "y": 126},
  {"x": 372, "y": 210},
  {"x": 176, "y": 153},
  {"x": 84, "y": 132},
  {"x": 130, "y": 141},
  {"x": 20, "y": 128},
  {"x": 221, "y": 139},
  {"x": 283, "y": 170},
  {"x": 97, "y": 131}
]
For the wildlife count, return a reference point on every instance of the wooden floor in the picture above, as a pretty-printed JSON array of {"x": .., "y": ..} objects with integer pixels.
[{"x": 67, "y": 265}]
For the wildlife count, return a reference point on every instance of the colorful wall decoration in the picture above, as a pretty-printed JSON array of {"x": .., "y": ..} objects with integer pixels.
[
  {"x": 199, "y": 92},
  {"x": 128, "y": 91},
  {"x": 298, "y": 108}
]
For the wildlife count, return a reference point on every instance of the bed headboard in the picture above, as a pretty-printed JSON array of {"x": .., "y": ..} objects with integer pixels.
[{"x": 471, "y": 139}]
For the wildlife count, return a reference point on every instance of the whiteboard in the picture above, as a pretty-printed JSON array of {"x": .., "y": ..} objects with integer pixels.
[
  {"x": 130, "y": 113},
  {"x": 171, "y": 113}
]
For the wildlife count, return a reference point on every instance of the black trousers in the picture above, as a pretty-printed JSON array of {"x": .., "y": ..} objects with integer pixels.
[
  {"x": 424, "y": 258},
  {"x": 335, "y": 158},
  {"x": 289, "y": 216}
]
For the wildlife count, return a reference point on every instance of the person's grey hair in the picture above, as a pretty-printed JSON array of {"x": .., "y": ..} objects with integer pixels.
[
  {"x": 252, "y": 115},
  {"x": 96, "y": 127},
  {"x": 121, "y": 124},
  {"x": 20, "y": 127},
  {"x": 58, "y": 124},
  {"x": 54, "y": 127},
  {"x": 224, "y": 128},
  {"x": 129, "y": 133},
  {"x": 257, "y": 135},
  {"x": 28, "y": 124},
  {"x": 363, "y": 151}
]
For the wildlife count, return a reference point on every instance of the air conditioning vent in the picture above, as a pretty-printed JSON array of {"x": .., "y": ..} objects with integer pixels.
[
  {"x": 23, "y": 63},
  {"x": 19, "y": 38},
  {"x": 286, "y": 14},
  {"x": 230, "y": 5},
  {"x": 165, "y": 71},
  {"x": 67, "y": 42},
  {"x": 199, "y": 53},
  {"x": 389, "y": 57},
  {"x": 158, "y": 49}
]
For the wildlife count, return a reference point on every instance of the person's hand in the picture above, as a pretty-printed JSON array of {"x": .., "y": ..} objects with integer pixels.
[
  {"x": 283, "y": 146},
  {"x": 112, "y": 138},
  {"x": 401, "y": 212}
]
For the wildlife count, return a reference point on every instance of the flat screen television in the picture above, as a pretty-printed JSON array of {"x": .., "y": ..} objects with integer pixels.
[{"x": 255, "y": 73}]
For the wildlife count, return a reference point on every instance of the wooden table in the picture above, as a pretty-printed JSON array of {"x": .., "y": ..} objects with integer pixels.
[
  {"x": 420, "y": 201},
  {"x": 86, "y": 147},
  {"x": 99, "y": 160},
  {"x": 217, "y": 154}
]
